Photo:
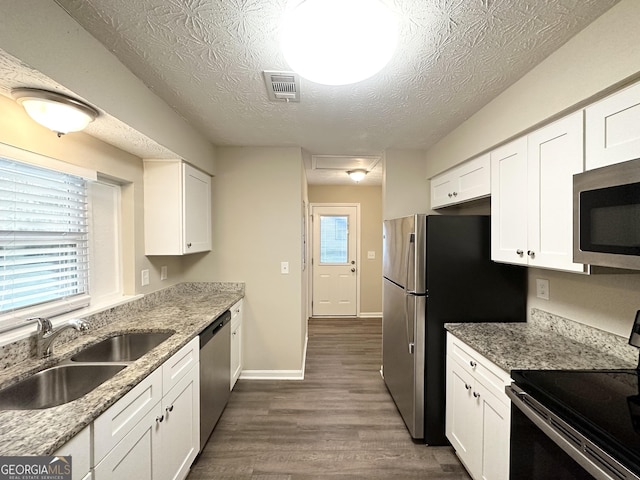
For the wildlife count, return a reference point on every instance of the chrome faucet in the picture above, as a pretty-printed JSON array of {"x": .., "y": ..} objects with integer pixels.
[{"x": 46, "y": 334}]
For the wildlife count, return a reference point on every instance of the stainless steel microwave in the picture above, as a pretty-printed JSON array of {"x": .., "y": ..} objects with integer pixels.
[{"x": 606, "y": 216}]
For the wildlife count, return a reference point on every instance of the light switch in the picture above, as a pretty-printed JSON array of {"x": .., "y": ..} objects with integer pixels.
[
  {"x": 371, "y": 255},
  {"x": 284, "y": 268},
  {"x": 163, "y": 272}
]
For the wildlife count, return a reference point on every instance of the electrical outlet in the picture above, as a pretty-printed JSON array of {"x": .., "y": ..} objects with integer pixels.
[
  {"x": 144, "y": 280},
  {"x": 163, "y": 272},
  {"x": 542, "y": 288},
  {"x": 284, "y": 268},
  {"x": 371, "y": 255}
]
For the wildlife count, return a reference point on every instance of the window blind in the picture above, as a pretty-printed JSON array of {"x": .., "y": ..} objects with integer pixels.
[{"x": 43, "y": 239}]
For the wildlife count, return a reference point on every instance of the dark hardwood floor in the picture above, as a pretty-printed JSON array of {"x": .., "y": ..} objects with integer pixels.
[{"x": 338, "y": 423}]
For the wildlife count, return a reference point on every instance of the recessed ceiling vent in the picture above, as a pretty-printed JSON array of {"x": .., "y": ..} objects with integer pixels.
[{"x": 282, "y": 86}]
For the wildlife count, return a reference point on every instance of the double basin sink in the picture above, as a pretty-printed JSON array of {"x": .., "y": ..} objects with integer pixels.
[{"x": 79, "y": 375}]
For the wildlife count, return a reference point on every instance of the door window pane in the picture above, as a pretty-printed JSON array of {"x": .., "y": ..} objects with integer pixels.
[{"x": 334, "y": 239}]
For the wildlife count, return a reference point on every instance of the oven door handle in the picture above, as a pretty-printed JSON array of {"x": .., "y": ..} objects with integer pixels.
[{"x": 591, "y": 457}]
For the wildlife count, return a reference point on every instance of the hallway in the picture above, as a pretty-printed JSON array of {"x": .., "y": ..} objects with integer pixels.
[{"x": 339, "y": 422}]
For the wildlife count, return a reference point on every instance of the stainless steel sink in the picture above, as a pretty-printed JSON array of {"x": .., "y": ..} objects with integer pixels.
[
  {"x": 55, "y": 386},
  {"x": 121, "y": 348}
]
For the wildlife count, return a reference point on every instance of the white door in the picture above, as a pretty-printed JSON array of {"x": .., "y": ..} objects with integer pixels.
[{"x": 335, "y": 269}]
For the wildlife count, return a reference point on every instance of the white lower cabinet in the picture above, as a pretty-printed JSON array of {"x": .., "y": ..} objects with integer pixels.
[
  {"x": 153, "y": 432},
  {"x": 180, "y": 429},
  {"x": 79, "y": 448},
  {"x": 478, "y": 422},
  {"x": 236, "y": 343},
  {"x": 137, "y": 455}
]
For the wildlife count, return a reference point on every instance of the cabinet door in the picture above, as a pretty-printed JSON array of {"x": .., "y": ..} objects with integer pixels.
[
  {"x": 137, "y": 455},
  {"x": 613, "y": 128},
  {"x": 236, "y": 342},
  {"x": 462, "y": 419},
  {"x": 79, "y": 447},
  {"x": 468, "y": 181},
  {"x": 555, "y": 154},
  {"x": 474, "y": 179},
  {"x": 509, "y": 202},
  {"x": 236, "y": 354},
  {"x": 112, "y": 426},
  {"x": 442, "y": 187},
  {"x": 496, "y": 432},
  {"x": 181, "y": 427},
  {"x": 197, "y": 210}
]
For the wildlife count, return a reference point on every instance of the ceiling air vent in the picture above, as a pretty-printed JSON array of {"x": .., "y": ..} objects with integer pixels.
[{"x": 282, "y": 86}]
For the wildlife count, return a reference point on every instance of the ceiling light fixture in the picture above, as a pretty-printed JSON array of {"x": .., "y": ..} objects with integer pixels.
[
  {"x": 338, "y": 42},
  {"x": 357, "y": 175},
  {"x": 56, "y": 111}
]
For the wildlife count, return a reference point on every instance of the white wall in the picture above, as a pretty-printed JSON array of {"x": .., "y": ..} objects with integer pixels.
[
  {"x": 257, "y": 223},
  {"x": 405, "y": 189},
  {"x": 602, "y": 56},
  {"x": 43, "y": 36}
]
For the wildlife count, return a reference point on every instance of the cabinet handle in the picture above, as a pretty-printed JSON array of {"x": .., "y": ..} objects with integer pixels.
[
  {"x": 455, "y": 194},
  {"x": 235, "y": 333},
  {"x": 467, "y": 386},
  {"x": 476, "y": 394},
  {"x": 169, "y": 409},
  {"x": 450, "y": 195},
  {"x": 159, "y": 419},
  {"x": 189, "y": 245},
  {"x": 519, "y": 252},
  {"x": 531, "y": 253},
  {"x": 473, "y": 364}
]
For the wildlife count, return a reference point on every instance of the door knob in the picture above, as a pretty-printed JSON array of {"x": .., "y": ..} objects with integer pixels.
[
  {"x": 353, "y": 269},
  {"x": 353, "y": 262}
]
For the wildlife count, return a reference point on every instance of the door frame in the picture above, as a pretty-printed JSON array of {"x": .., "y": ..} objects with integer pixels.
[{"x": 312, "y": 207}]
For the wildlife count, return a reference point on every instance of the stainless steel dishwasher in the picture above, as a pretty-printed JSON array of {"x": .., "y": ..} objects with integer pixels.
[{"x": 215, "y": 373}]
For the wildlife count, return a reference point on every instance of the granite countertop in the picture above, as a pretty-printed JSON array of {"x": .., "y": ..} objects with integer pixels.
[
  {"x": 186, "y": 309},
  {"x": 545, "y": 345}
]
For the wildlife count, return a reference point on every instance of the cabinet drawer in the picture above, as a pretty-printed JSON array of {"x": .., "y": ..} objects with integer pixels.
[
  {"x": 482, "y": 369},
  {"x": 114, "y": 424},
  {"x": 179, "y": 364}
]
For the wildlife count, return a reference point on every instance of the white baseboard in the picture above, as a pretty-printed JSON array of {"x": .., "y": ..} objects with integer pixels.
[
  {"x": 272, "y": 375},
  {"x": 370, "y": 314},
  {"x": 278, "y": 374}
]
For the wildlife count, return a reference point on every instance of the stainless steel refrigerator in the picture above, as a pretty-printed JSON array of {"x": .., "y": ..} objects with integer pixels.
[{"x": 437, "y": 269}]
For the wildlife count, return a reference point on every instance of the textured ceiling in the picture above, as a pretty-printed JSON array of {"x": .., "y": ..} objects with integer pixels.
[{"x": 205, "y": 58}]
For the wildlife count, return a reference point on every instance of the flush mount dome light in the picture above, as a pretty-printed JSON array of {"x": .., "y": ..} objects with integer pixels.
[
  {"x": 338, "y": 42},
  {"x": 357, "y": 175},
  {"x": 53, "y": 110}
]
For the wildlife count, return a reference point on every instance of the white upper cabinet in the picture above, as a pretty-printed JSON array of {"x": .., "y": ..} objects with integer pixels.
[
  {"x": 468, "y": 181},
  {"x": 177, "y": 208},
  {"x": 613, "y": 129},
  {"x": 532, "y": 203},
  {"x": 509, "y": 202}
]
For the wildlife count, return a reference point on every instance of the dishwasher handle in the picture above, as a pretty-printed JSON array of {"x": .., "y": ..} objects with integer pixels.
[{"x": 208, "y": 333}]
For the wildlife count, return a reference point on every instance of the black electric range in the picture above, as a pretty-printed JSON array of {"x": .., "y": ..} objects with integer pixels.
[{"x": 601, "y": 405}]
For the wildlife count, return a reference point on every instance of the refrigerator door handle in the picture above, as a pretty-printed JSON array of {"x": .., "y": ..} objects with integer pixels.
[
  {"x": 411, "y": 238},
  {"x": 410, "y": 331}
]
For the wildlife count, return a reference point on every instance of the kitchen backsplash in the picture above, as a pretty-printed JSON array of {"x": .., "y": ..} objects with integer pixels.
[
  {"x": 24, "y": 349},
  {"x": 604, "y": 341}
]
